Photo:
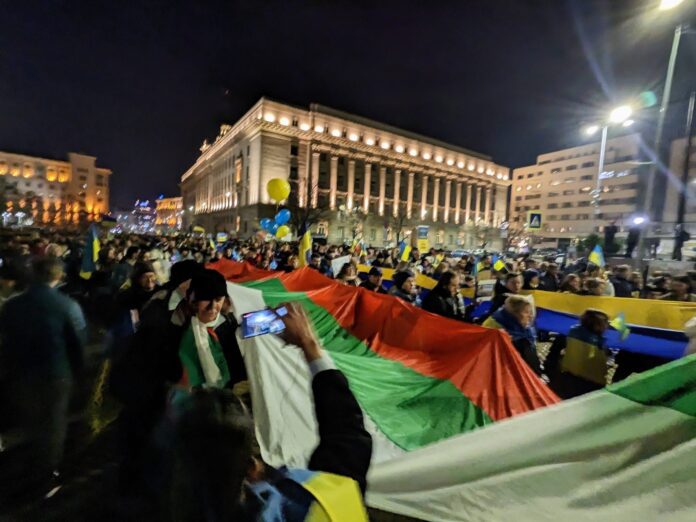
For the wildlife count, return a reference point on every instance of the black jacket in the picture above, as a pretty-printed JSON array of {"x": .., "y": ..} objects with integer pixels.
[
  {"x": 373, "y": 288},
  {"x": 440, "y": 302},
  {"x": 345, "y": 447},
  {"x": 622, "y": 287},
  {"x": 548, "y": 282}
]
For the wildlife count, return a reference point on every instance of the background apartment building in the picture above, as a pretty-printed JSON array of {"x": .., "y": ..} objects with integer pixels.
[{"x": 560, "y": 183}]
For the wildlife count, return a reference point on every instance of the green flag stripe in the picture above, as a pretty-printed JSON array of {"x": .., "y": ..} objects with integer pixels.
[
  {"x": 411, "y": 409},
  {"x": 672, "y": 385}
]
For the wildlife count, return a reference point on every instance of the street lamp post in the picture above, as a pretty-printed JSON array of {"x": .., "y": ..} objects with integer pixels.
[
  {"x": 664, "y": 6},
  {"x": 618, "y": 116}
]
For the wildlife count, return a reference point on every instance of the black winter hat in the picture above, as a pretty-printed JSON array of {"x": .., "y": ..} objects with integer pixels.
[
  {"x": 206, "y": 285},
  {"x": 140, "y": 268},
  {"x": 400, "y": 278},
  {"x": 183, "y": 271}
]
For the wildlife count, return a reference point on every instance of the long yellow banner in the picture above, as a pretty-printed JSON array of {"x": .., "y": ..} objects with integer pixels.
[
  {"x": 387, "y": 274},
  {"x": 651, "y": 313}
]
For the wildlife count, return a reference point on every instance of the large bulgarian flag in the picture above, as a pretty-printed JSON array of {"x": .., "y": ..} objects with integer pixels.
[{"x": 432, "y": 390}]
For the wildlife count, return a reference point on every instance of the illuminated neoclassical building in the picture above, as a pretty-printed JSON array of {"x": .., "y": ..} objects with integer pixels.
[
  {"x": 52, "y": 191},
  {"x": 349, "y": 166}
]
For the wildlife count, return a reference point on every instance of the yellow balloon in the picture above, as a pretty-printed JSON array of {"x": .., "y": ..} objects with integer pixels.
[
  {"x": 278, "y": 189},
  {"x": 282, "y": 231}
]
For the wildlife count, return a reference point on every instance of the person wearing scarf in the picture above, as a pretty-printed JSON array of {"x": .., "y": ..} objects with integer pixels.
[
  {"x": 516, "y": 318},
  {"x": 208, "y": 350}
]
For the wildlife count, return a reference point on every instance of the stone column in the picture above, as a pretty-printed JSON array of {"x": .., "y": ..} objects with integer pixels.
[
  {"x": 366, "y": 188},
  {"x": 409, "y": 195},
  {"x": 382, "y": 188},
  {"x": 487, "y": 217},
  {"x": 448, "y": 195},
  {"x": 314, "y": 189},
  {"x": 424, "y": 197},
  {"x": 436, "y": 197},
  {"x": 397, "y": 189},
  {"x": 467, "y": 207},
  {"x": 333, "y": 182},
  {"x": 457, "y": 207},
  {"x": 351, "y": 182},
  {"x": 477, "y": 212}
]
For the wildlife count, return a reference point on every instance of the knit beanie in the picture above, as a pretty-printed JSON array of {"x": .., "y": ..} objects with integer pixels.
[
  {"x": 206, "y": 285},
  {"x": 183, "y": 271}
]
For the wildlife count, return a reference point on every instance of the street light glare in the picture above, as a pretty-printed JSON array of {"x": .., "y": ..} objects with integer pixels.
[
  {"x": 620, "y": 114},
  {"x": 592, "y": 129},
  {"x": 669, "y": 4},
  {"x": 638, "y": 220},
  {"x": 628, "y": 123}
]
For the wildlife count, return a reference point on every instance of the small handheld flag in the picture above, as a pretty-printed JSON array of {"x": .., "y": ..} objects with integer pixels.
[
  {"x": 619, "y": 324},
  {"x": 404, "y": 251},
  {"x": 90, "y": 254},
  {"x": 498, "y": 264},
  {"x": 597, "y": 256},
  {"x": 305, "y": 248}
]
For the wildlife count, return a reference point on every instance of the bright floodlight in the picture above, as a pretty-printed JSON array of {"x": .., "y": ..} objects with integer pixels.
[
  {"x": 628, "y": 123},
  {"x": 592, "y": 129},
  {"x": 620, "y": 114},
  {"x": 638, "y": 220},
  {"x": 669, "y": 4}
]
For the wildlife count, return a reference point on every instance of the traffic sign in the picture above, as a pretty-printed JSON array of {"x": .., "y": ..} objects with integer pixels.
[{"x": 534, "y": 219}]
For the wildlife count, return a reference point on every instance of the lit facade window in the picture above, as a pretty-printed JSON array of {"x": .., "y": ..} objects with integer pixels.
[
  {"x": 336, "y": 133},
  {"x": 399, "y": 148},
  {"x": 269, "y": 117},
  {"x": 284, "y": 121},
  {"x": 319, "y": 128},
  {"x": 304, "y": 126}
]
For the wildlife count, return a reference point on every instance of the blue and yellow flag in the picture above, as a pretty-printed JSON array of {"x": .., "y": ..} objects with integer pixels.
[
  {"x": 597, "y": 256},
  {"x": 404, "y": 251},
  {"x": 478, "y": 266},
  {"x": 90, "y": 254},
  {"x": 305, "y": 248},
  {"x": 498, "y": 264},
  {"x": 619, "y": 324}
]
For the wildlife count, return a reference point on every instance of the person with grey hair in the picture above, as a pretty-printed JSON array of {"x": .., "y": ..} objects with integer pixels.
[{"x": 42, "y": 338}]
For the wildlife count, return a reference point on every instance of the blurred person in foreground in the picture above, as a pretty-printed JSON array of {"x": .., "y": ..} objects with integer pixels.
[
  {"x": 42, "y": 341},
  {"x": 516, "y": 317},
  {"x": 217, "y": 476}
]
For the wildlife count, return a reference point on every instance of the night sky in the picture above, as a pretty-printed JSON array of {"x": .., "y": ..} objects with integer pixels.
[{"x": 140, "y": 85}]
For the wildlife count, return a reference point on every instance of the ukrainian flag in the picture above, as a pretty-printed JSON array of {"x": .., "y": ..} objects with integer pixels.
[
  {"x": 404, "y": 251},
  {"x": 498, "y": 264},
  {"x": 478, "y": 266},
  {"x": 597, "y": 256},
  {"x": 305, "y": 248},
  {"x": 619, "y": 324},
  {"x": 90, "y": 254}
]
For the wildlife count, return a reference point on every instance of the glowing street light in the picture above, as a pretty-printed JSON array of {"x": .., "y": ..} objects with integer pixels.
[
  {"x": 665, "y": 5},
  {"x": 620, "y": 114},
  {"x": 592, "y": 130},
  {"x": 628, "y": 123}
]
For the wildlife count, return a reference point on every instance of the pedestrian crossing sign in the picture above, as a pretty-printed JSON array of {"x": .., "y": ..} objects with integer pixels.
[{"x": 534, "y": 220}]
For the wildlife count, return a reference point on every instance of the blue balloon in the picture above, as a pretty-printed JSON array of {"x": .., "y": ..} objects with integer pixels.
[
  {"x": 274, "y": 228},
  {"x": 282, "y": 217},
  {"x": 266, "y": 224}
]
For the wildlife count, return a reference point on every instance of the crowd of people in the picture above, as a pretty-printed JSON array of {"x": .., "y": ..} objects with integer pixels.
[{"x": 160, "y": 314}]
